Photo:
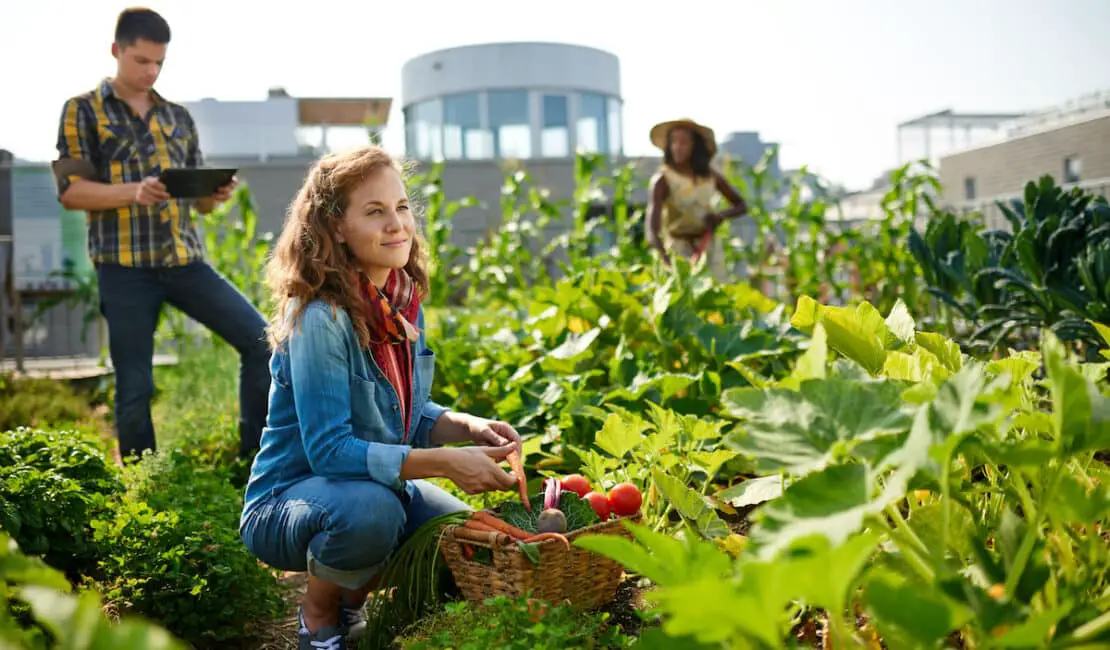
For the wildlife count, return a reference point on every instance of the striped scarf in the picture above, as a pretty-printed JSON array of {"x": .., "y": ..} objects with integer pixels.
[{"x": 390, "y": 314}]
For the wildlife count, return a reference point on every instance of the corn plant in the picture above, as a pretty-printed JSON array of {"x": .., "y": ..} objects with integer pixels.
[{"x": 438, "y": 213}]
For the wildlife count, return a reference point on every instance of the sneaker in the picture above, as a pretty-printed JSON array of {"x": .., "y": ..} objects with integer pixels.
[
  {"x": 328, "y": 638},
  {"x": 352, "y": 621}
]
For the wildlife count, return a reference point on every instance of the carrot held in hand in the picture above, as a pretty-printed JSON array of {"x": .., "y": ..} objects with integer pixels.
[{"x": 518, "y": 468}]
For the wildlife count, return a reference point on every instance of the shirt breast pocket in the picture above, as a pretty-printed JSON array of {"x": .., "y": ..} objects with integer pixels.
[
  {"x": 424, "y": 376},
  {"x": 178, "y": 142},
  {"x": 115, "y": 143},
  {"x": 366, "y": 416}
]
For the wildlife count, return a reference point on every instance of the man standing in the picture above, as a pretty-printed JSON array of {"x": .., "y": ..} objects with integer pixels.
[{"x": 113, "y": 142}]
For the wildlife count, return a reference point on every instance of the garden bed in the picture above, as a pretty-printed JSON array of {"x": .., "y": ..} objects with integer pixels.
[{"x": 810, "y": 473}]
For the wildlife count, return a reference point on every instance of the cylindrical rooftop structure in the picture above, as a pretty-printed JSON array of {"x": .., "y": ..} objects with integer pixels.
[{"x": 511, "y": 100}]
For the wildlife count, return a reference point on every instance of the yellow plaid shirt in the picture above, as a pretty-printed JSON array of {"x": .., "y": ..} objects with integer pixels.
[{"x": 102, "y": 139}]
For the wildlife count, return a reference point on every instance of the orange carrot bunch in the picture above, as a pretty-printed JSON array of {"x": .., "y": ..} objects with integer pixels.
[{"x": 487, "y": 523}]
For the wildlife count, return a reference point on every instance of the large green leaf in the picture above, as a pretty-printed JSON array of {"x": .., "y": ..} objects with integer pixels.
[
  {"x": 1081, "y": 413},
  {"x": 813, "y": 363},
  {"x": 800, "y": 431},
  {"x": 945, "y": 350},
  {"x": 621, "y": 434},
  {"x": 690, "y": 505},
  {"x": 910, "y": 614},
  {"x": 666, "y": 385},
  {"x": 1075, "y": 502},
  {"x": 831, "y": 570},
  {"x": 834, "y": 503},
  {"x": 79, "y": 624},
  {"x": 565, "y": 358},
  {"x": 659, "y": 557},
  {"x": 859, "y": 334},
  {"x": 753, "y": 491}
]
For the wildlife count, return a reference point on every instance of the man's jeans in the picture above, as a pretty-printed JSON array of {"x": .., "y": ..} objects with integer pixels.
[{"x": 131, "y": 300}]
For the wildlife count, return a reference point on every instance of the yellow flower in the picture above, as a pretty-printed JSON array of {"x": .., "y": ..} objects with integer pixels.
[
  {"x": 577, "y": 325},
  {"x": 733, "y": 544}
]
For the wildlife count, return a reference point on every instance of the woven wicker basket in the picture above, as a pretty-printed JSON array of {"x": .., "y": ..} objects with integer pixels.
[{"x": 585, "y": 579}]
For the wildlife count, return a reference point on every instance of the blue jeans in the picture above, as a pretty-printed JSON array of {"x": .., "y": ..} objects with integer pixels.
[
  {"x": 340, "y": 531},
  {"x": 131, "y": 300}
]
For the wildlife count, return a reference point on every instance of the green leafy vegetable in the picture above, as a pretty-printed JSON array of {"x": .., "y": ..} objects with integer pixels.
[{"x": 578, "y": 512}]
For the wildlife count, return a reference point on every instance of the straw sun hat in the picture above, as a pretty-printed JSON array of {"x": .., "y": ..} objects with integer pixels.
[{"x": 661, "y": 131}]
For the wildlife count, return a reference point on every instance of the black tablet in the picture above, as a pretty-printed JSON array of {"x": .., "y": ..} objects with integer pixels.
[{"x": 195, "y": 182}]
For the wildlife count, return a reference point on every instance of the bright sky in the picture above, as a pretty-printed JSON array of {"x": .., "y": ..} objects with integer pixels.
[{"x": 828, "y": 79}]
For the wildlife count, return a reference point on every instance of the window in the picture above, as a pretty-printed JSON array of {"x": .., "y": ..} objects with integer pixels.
[
  {"x": 508, "y": 119},
  {"x": 593, "y": 134},
  {"x": 616, "y": 135},
  {"x": 969, "y": 188},
  {"x": 427, "y": 133},
  {"x": 555, "y": 134},
  {"x": 1073, "y": 169},
  {"x": 410, "y": 130},
  {"x": 463, "y": 135}
]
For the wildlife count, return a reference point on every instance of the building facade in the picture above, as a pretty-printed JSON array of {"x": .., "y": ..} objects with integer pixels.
[
  {"x": 1071, "y": 152},
  {"x": 520, "y": 101},
  {"x": 1070, "y": 143},
  {"x": 281, "y": 126},
  {"x": 482, "y": 109}
]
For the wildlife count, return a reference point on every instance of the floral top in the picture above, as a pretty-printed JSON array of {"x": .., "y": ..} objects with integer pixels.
[{"x": 688, "y": 202}]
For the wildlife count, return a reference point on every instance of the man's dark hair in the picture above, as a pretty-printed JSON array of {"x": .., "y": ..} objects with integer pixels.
[
  {"x": 699, "y": 156},
  {"x": 140, "y": 22}
]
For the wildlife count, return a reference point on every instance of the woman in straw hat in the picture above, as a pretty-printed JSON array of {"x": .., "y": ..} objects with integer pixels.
[{"x": 684, "y": 193}]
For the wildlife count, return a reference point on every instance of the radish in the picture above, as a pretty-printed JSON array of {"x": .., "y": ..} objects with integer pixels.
[{"x": 552, "y": 520}]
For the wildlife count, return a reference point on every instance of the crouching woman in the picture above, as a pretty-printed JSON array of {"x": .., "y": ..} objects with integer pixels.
[{"x": 336, "y": 486}]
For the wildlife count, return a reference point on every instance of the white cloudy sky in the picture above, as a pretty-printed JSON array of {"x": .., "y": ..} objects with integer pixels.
[{"x": 828, "y": 79}]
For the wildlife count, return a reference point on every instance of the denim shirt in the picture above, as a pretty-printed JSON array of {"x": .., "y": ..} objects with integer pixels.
[{"x": 333, "y": 413}]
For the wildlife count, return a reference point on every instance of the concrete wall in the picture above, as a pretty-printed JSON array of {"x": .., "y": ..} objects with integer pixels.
[
  {"x": 246, "y": 128},
  {"x": 1003, "y": 168}
]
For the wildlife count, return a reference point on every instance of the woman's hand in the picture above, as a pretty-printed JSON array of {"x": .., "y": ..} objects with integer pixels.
[
  {"x": 713, "y": 220},
  {"x": 454, "y": 427},
  {"x": 475, "y": 469},
  {"x": 491, "y": 433}
]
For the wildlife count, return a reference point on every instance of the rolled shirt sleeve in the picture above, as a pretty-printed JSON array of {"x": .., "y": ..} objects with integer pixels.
[
  {"x": 76, "y": 144},
  {"x": 428, "y": 416}
]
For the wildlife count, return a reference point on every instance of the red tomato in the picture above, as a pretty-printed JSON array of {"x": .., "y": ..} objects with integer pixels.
[
  {"x": 600, "y": 503},
  {"x": 576, "y": 483},
  {"x": 625, "y": 499}
]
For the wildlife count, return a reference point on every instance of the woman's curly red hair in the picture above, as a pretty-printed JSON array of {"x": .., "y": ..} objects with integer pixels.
[{"x": 309, "y": 263}]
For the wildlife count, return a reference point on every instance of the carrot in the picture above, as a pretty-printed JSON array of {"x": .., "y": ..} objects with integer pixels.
[
  {"x": 517, "y": 466},
  {"x": 542, "y": 537},
  {"x": 500, "y": 526},
  {"x": 474, "y": 524},
  {"x": 483, "y": 537}
]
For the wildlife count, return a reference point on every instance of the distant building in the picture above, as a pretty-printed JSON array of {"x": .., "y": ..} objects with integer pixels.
[
  {"x": 1071, "y": 143},
  {"x": 749, "y": 148},
  {"x": 932, "y": 136},
  {"x": 983, "y": 158},
  {"x": 511, "y": 101},
  {"x": 276, "y": 126},
  {"x": 481, "y": 108}
]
